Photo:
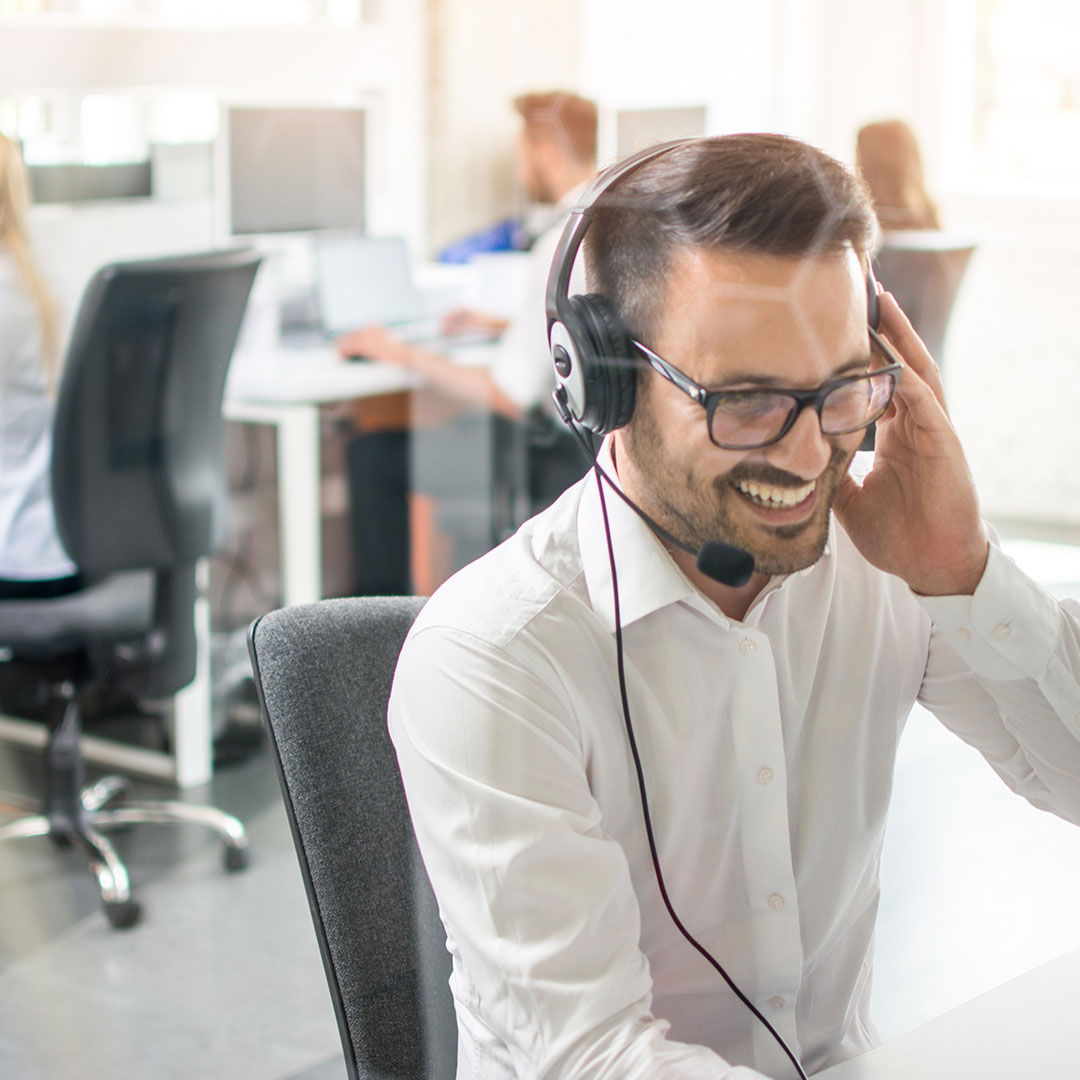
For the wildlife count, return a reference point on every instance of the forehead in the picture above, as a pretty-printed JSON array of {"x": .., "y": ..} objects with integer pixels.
[{"x": 795, "y": 319}]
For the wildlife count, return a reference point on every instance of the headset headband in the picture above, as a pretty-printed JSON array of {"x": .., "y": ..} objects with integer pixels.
[
  {"x": 591, "y": 349},
  {"x": 558, "y": 286}
]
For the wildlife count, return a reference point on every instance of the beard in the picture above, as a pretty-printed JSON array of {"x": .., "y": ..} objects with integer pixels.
[{"x": 697, "y": 510}]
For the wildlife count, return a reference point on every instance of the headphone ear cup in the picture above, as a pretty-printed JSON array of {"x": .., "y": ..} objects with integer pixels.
[{"x": 606, "y": 357}]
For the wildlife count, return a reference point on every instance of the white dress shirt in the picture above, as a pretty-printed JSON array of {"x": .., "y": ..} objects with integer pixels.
[
  {"x": 768, "y": 748},
  {"x": 30, "y": 549}
]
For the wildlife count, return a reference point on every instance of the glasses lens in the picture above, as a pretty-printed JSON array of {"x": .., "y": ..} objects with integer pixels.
[
  {"x": 744, "y": 421},
  {"x": 856, "y": 403}
]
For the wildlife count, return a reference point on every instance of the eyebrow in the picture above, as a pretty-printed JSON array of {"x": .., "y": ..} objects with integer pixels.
[{"x": 755, "y": 380}]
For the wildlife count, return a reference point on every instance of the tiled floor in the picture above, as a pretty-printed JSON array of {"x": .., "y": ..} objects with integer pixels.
[{"x": 222, "y": 979}]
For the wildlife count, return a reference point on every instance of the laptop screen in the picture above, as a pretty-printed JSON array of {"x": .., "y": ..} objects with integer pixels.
[{"x": 361, "y": 280}]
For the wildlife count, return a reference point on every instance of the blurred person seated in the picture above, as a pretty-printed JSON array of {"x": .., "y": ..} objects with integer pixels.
[
  {"x": 556, "y": 160},
  {"x": 887, "y": 157},
  {"x": 33, "y": 563}
]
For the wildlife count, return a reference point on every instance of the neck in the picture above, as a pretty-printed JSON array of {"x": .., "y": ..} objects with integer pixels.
[{"x": 733, "y": 600}]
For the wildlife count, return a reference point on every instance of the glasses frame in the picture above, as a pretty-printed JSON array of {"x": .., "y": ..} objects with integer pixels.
[{"x": 804, "y": 399}]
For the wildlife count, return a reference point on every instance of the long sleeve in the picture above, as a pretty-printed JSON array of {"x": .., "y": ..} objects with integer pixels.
[
  {"x": 537, "y": 899},
  {"x": 1004, "y": 675}
]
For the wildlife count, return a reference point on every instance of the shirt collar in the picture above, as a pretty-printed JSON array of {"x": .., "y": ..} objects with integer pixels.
[{"x": 647, "y": 575}]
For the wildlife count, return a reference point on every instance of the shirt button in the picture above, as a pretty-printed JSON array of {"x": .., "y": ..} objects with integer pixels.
[
  {"x": 777, "y": 1002},
  {"x": 962, "y": 634},
  {"x": 746, "y": 646},
  {"x": 765, "y": 775},
  {"x": 1002, "y": 631},
  {"x": 776, "y": 901}
]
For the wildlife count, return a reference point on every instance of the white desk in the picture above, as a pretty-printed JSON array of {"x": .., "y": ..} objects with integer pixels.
[
  {"x": 285, "y": 387},
  {"x": 1025, "y": 1029}
]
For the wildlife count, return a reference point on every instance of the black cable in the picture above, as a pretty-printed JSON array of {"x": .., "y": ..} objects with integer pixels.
[{"x": 620, "y": 664}]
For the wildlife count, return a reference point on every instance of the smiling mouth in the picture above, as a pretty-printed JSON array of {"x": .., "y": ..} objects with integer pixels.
[{"x": 774, "y": 498}]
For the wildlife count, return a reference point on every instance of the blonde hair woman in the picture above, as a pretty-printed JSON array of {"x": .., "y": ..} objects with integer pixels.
[{"x": 33, "y": 562}]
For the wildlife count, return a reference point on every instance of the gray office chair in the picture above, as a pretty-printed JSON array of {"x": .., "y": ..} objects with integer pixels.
[
  {"x": 139, "y": 493},
  {"x": 323, "y": 673},
  {"x": 924, "y": 270}
]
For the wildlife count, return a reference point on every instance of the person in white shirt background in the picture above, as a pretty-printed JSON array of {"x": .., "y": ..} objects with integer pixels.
[
  {"x": 556, "y": 158},
  {"x": 32, "y": 559},
  {"x": 590, "y": 666},
  {"x": 556, "y": 153}
]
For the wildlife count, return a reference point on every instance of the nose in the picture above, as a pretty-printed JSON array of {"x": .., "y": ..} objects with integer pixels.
[{"x": 803, "y": 451}]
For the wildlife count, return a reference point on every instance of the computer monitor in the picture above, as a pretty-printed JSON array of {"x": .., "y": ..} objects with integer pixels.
[
  {"x": 624, "y": 131},
  {"x": 294, "y": 169}
]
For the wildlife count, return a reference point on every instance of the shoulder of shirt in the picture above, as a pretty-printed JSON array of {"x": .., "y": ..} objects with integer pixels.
[{"x": 529, "y": 581}]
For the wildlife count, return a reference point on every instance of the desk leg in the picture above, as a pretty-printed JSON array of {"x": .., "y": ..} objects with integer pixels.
[{"x": 299, "y": 510}]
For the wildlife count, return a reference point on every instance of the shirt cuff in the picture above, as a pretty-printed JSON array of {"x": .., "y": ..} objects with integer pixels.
[{"x": 1007, "y": 630}]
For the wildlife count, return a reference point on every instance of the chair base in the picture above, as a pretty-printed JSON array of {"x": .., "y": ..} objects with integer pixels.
[{"x": 103, "y": 806}]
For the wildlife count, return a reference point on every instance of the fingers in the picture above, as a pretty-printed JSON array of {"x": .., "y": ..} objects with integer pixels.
[
  {"x": 346, "y": 345},
  {"x": 372, "y": 342},
  {"x": 898, "y": 329}
]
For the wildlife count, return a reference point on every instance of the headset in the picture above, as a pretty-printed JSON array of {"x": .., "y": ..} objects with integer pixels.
[
  {"x": 595, "y": 377},
  {"x": 595, "y": 362}
]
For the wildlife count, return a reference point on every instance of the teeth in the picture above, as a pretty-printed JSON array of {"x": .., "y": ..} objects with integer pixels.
[{"x": 768, "y": 495}]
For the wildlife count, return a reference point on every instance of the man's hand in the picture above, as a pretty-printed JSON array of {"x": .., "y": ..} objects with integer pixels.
[
  {"x": 916, "y": 514},
  {"x": 375, "y": 343}
]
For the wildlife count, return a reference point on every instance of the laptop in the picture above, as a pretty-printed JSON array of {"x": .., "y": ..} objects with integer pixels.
[{"x": 360, "y": 280}]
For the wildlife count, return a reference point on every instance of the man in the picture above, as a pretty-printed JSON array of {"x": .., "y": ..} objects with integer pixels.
[
  {"x": 765, "y": 715},
  {"x": 557, "y": 159}
]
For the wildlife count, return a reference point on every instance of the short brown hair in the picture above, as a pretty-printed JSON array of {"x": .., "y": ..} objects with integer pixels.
[
  {"x": 761, "y": 193},
  {"x": 563, "y": 118}
]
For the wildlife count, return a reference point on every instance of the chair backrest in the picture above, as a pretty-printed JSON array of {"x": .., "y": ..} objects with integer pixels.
[
  {"x": 138, "y": 478},
  {"x": 324, "y": 673},
  {"x": 924, "y": 271}
]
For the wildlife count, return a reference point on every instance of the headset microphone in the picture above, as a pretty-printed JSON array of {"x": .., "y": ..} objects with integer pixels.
[{"x": 725, "y": 563}]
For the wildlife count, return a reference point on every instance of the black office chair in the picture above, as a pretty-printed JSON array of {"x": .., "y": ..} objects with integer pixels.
[
  {"x": 324, "y": 672},
  {"x": 139, "y": 494}
]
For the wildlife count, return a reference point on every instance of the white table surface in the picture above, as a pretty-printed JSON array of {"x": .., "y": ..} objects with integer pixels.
[{"x": 1025, "y": 1030}]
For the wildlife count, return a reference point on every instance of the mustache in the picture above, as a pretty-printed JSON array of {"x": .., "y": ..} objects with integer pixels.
[{"x": 774, "y": 477}]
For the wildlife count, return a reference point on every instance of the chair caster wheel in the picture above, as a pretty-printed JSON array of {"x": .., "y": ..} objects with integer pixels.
[
  {"x": 237, "y": 858},
  {"x": 124, "y": 914}
]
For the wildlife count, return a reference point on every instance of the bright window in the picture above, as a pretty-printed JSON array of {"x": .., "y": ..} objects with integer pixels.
[{"x": 1013, "y": 77}]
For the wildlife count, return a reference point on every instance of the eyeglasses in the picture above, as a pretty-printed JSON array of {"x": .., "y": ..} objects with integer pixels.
[{"x": 751, "y": 419}]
